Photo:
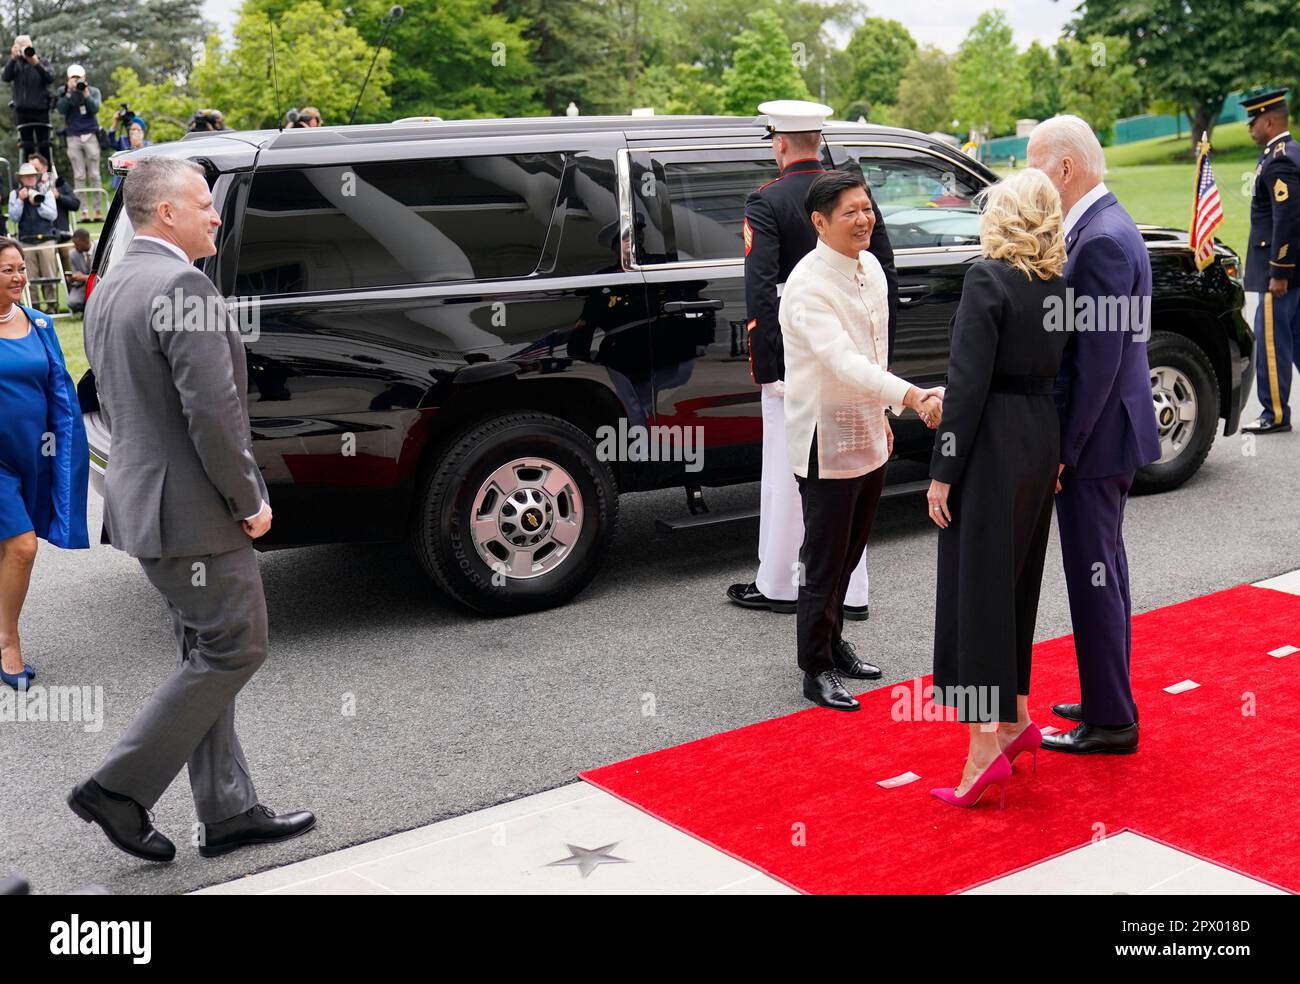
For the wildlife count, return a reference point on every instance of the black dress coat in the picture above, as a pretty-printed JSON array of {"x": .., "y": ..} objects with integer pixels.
[{"x": 998, "y": 446}]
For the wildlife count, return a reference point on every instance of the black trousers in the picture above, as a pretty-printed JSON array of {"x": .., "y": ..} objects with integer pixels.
[
  {"x": 34, "y": 130},
  {"x": 837, "y": 518}
]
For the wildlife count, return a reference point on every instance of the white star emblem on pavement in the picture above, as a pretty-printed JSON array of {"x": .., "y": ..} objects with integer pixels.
[{"x": 587, "y": 860}]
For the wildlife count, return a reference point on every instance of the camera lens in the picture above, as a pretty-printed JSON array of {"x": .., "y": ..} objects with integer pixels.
[{"x": 29, "y": 51}]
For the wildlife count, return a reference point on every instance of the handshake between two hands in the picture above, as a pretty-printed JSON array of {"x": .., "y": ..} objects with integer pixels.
[{"x": 928, "y": 403}]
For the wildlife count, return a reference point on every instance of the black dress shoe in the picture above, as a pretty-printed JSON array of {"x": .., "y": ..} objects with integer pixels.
[
  {"x": 256, "y": 826},
  {"x": 126, "y": 822},
  {"x": 748, "y": 596},
  {"x": 825, "y": 688},
  {"x": 1071, "y": 712},
  {"x": 1089, "y": 739},
  {"x": 856, "y": 613},
  {"x": 1262, "y": 426},
  {"x": 846, "y": 661}
]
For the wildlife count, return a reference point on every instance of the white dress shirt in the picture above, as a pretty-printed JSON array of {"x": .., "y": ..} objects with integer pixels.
[
  {"x": 163, "y": 242},
  {"x": 834, "y": 318},
  {"x": 1083, "y": 204}
]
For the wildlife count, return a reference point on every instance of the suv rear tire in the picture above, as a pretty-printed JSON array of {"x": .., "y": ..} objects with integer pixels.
[
  {"x": 516, "y": 515},
  {"x": 1186, "y": 396}
]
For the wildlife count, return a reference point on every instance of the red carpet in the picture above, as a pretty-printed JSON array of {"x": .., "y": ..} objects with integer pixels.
[{"x": 797, "y": 796}]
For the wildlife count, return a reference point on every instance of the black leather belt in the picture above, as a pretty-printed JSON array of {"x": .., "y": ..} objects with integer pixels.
[{"x": 1004, "y": 382}]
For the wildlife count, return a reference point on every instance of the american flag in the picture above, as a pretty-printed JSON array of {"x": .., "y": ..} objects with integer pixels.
[{"x": 1207, "y": 210}]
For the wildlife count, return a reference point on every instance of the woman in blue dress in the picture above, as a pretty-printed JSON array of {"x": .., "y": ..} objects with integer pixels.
[{"x": 44, "y": 460}]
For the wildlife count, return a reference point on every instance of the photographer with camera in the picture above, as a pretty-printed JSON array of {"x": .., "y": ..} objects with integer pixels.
[
  {"x": 128, "y": 134},
  {"x": 205, "y": 120},
  {"x": 34, "y": 212},
  {"x": 79, "y": 103},
  {"x": 50, "y": 182},
  {"x": 31, "y": 78}
]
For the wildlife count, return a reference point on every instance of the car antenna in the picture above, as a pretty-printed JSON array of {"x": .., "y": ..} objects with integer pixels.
[
  {"x": 394, "y": 12},
  {"x": 275, "y": 82}
]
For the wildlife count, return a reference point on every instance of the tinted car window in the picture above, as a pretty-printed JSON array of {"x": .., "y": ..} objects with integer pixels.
[
  {"x": 589, "y": 242},
  {"x": 925, "y": 201},
  {"x": 690, "y": 204},
  {"x": 401, "y": 222}
]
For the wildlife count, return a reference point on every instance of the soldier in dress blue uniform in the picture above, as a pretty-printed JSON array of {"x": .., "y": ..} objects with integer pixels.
[
  {"x": 778, "y": 233},
  {"x": 1271, "y": 258}
]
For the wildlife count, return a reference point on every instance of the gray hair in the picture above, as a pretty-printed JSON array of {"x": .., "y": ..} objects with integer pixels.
[
  {"x": 1069, "y": 136},
  {"x": 152, "y": 181}
]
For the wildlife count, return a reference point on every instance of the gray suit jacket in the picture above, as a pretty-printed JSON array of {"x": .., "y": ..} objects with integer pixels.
[{"x": 181, "y": 474}]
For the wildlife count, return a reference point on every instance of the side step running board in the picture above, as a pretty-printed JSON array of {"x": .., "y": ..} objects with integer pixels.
[{"x": 703, "y": 519}]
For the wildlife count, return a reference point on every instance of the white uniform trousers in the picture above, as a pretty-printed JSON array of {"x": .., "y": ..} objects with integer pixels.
[{"x": 780, "y": 518}]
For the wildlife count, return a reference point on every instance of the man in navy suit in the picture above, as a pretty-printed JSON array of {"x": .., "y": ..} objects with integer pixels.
[{"x": 1108, "y": 429}]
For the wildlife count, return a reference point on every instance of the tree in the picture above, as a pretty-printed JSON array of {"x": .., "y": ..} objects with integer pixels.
[
  {"x": 680, "y": 90},
  {"x": 874, "y": 61},
  {"x": 925, "y": 92},
  {"x": 156, "y": 39},
  {"x": 151, "y": 36},
  {"x": 1283, "y": 27},
  {"x": 989, "y": 86},
  {"x": 319, "y": 61},
  {"x": 704, "y": 32},
  {"x": 762, "y": 67},
  {"x": 577, "y": 53},
  {"x": 807, "y": 24},
  {"x": 165, "y": 107},
  {"x": 1191, "y": 52},
  {"x": 1042, "y": 83},
  {"x": 453, "y": 58},
  {"x": 1097, "y": 79}
]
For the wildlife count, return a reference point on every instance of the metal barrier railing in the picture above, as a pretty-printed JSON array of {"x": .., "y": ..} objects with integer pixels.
[{"x": 83, "y": 197}]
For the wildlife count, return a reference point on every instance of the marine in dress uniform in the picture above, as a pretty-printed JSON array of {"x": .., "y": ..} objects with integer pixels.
[
  {"x": 1271, "y": 258},
  {"x": 778, "y": 233}
]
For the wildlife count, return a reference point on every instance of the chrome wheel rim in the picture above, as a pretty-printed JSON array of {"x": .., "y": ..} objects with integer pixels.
[
  {"x": 527, "y": 518},
  {"x": 1176, "y": 411}
]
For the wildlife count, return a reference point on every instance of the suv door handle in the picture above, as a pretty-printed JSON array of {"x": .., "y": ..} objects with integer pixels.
[
  {"x": 906, "y": 293},
  {"x": 703, "y": 304}
]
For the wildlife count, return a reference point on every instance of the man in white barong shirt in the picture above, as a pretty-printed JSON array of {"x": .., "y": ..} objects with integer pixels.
[{"x": 834, "y": 326}]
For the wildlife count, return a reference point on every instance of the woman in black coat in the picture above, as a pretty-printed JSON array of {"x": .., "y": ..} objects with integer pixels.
[{"x": 994, "y": 472}]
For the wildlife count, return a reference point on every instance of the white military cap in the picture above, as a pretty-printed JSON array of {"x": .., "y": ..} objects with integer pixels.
[{"x": 793, "y": 116}]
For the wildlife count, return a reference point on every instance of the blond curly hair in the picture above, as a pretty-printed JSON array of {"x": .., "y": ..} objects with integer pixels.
[{"x": 1023, "y": 225}]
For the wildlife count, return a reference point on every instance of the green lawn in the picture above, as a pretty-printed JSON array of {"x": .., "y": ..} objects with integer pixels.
[
  {"x": 69, "y": 327},
  {"x": 70, "y": 338},
  {"x": 1154, "y": 180},
  {"x": 1162, "y": 195}
]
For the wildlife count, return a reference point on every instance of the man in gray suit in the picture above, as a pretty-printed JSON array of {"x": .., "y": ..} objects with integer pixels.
[{"x": 183, "y": 495}]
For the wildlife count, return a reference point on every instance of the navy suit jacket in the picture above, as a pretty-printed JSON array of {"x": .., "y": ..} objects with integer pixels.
[{"x": 1103, "y": 390}]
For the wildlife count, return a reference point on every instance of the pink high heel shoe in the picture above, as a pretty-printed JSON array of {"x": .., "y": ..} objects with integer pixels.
[
  {"x": 997, "y": 774},
  {"x": 1028, "y": 740}
]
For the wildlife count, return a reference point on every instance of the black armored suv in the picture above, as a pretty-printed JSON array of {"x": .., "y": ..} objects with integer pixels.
[{"x": 476, "y": 335}]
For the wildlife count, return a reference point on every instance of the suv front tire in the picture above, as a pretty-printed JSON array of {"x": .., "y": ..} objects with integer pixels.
[
  {"x": 516, "y": 514},
  {"x": 1186, "y": 396}
]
